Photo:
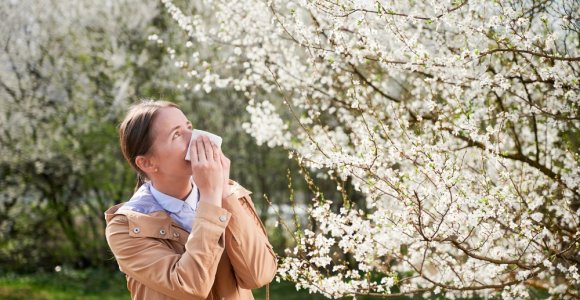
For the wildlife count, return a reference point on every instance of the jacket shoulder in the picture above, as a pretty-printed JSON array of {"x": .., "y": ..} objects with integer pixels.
[{"x": 238, "y": 189}]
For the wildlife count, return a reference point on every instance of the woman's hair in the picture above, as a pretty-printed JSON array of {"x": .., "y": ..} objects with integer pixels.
[{"x": 135, "y": 132}]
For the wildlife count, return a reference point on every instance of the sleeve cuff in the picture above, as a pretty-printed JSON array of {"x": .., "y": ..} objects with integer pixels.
[{"x": 214, "y": 214}]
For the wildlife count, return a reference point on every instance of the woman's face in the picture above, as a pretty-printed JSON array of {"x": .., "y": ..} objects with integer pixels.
[{"x": 170, "y": 132}]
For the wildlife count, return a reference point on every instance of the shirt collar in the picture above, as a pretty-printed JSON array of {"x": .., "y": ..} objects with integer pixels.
[
  {"x": 171, "y": 203},
  {"x": 193, "y": 197}
]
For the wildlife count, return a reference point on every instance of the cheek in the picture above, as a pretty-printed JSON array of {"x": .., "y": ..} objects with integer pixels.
[
  {"x": 166, "y": 153},
  {"x": 178, "y": 149},
  {"x": 174, "y": 152}
]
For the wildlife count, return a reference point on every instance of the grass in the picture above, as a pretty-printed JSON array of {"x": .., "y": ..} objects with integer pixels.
[
  {"x": 86, "y": 284},
  {"x": 96, "y": 284},
  {"x": 100, "y": 284}
]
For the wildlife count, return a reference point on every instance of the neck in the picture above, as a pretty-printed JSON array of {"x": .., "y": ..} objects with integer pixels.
[{"x": 177, "y": 188}]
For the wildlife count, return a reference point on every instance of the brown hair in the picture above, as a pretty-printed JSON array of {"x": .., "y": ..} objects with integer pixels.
[{"x": 135, "y": 132}]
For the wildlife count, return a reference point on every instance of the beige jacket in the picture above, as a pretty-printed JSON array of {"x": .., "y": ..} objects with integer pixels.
[{"x": 226, "y": 254}]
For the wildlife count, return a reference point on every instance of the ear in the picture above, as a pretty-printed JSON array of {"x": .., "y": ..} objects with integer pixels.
[{"x": 145, "y": 163}]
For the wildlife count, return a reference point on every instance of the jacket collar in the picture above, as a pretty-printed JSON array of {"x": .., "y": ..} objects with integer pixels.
[
  {"x": 151, "y": 220},
  {"x": 157, "y": 224}
]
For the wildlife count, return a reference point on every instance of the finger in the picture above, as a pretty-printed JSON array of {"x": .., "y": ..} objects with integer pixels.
[
  {"x": 193, "y": 151},
  {"x": 200, "y": 149},
  {"x": 216, "y": 152},
  {"x": 208, "y": 148},
  {"x": 224, "y": 160}
]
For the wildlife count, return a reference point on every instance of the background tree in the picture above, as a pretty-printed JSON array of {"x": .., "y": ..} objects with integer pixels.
[
  {"x": 68, "y": 71},
  {"x": 457, "y": 121}
]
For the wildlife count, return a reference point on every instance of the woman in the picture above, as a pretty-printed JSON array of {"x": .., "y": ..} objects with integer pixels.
[{"x": 188, "y": 232}]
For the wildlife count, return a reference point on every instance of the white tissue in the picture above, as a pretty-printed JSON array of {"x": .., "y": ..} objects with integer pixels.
[{"x": 196, "y": 132}]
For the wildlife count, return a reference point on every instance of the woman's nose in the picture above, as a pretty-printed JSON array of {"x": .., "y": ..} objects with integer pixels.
[{"x": 187, "y": 134}]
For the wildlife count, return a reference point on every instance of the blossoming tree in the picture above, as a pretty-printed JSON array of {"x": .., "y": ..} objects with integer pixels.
[{"x": 457, "y": 120}]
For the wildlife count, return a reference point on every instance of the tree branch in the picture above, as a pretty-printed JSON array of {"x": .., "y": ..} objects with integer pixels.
[{"x": 529, "y": 52}]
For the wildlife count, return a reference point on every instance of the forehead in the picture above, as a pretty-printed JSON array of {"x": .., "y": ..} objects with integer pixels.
[{"x": 167, "y": 118}]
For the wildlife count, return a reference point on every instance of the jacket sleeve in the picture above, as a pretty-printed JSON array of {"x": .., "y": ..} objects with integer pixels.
[
  {"x": 151, "y": 262},
  {"x": 247, "y": 245}
]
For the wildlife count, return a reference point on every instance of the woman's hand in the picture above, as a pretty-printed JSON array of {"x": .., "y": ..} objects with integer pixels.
[
  {"x": 207, "y": 170},
  {"x": 227, "y": 189}
]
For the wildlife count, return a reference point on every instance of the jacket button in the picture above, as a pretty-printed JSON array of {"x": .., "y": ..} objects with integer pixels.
[
  {"x": 136, "y": 230},
  {"x": 162, "y": 231},
  {"x": 223, "y": 218},
  {"x": 176, "y": 234}
]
